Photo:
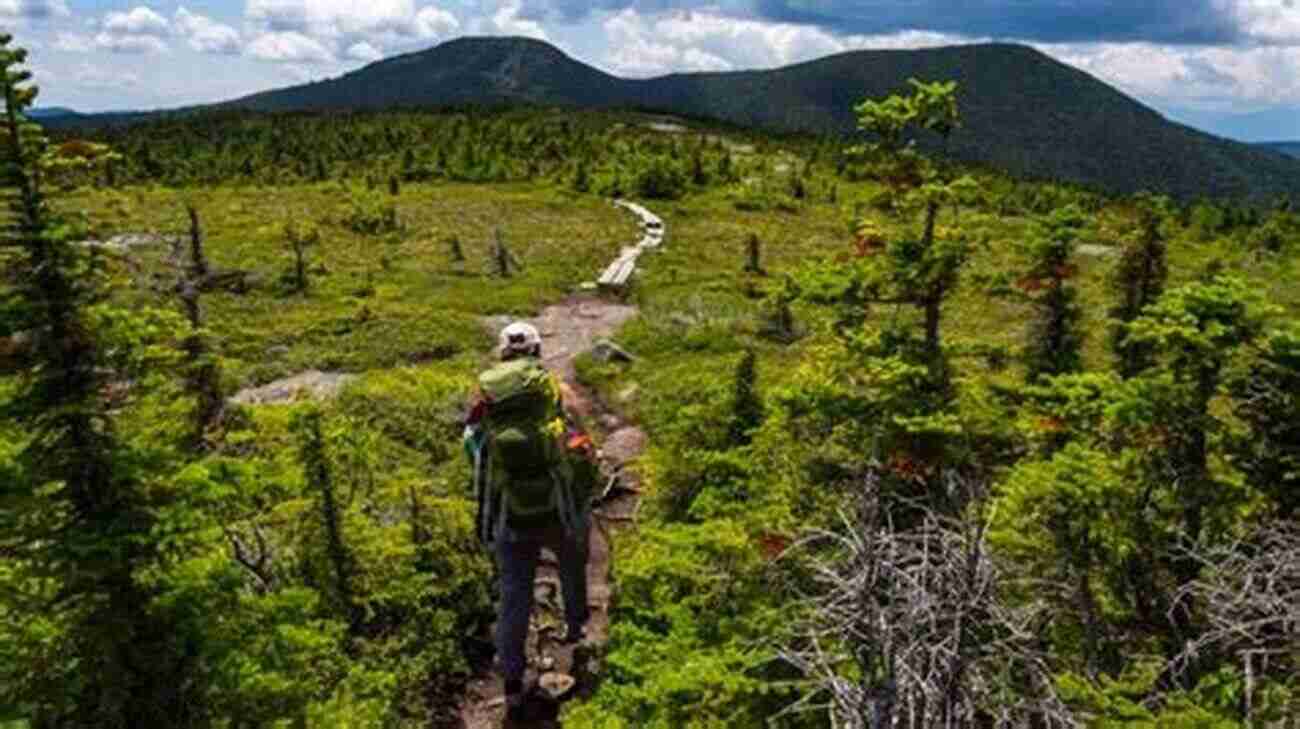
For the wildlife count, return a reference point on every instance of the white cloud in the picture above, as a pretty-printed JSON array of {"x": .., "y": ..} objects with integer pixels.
[
  {"x": 98, "y": 77},
  {"x": 1275, "y": 22},
  {"x": 507, "y": 20},
  {"x": 363, "y": 51},
  {"x": 130, "y": 43},
  {"x": 299, "y": 73},
  {"x": 335, "y": 18},
  {"x": 33, "y": 9},
  {"x": 140, "y": 30},
  {"x": 206, "y": 35},
  {"x": 435, "y": 23},
  {"x": 289, "y": 47},
  {"x": 360, "y": 30},
  {"x": 650, "y": 44},
  {"x": 73, "y": 42},
  {"x": 139, "y": 21},
  {"x": 1211, "y": 77}
]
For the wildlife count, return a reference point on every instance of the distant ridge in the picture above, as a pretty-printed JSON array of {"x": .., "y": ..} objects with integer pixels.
[
  {"x": 51, "y": 112},
  {"x": 1023, "y": 111},
  {"x": 1288, "y": 148}
]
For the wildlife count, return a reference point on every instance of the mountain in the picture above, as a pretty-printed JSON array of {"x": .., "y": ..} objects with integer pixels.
[
  {"x": 1288, "y": 148},
  {"x": 1023, "y": 111},
  {"x": 51, "y": 112},
  {"x": 461, "y": 71}
]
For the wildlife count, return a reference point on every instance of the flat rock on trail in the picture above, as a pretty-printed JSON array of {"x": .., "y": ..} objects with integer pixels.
[{"x": 568, "y": 329}]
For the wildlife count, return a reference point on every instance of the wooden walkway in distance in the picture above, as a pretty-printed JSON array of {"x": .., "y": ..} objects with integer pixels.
[{"x": 616, "y": 275}]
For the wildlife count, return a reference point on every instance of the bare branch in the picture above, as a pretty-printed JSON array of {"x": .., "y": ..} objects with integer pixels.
[{"x": 905, "y": 628}]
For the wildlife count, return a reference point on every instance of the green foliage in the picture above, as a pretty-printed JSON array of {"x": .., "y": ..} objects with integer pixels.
[
  {"x": 747, "y": 405},
  {"x": 79, "y": 517},
  {"x": 1200, "y": 325},
  {"x": 1138, "y": 281},
  {"x": 1054, "y": 341},
  {"x": 370, "y": 213},
  {"x": 316, "y": 566},
  {"x": 682, "y": 650},
  {"x": 1266, "y": 396},
  {"x": 1213, "y": 703},
  {"x": 301, "y": 238},
  {"x": 660, "y": 180}
]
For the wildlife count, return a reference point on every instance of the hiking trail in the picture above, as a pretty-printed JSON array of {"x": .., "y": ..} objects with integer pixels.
[{"x": 559, "y": 673}]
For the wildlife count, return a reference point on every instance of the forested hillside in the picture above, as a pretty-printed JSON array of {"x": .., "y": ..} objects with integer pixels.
[
  {"x": 1288, "y": 148},
  {"x": 1024, "y": 112},
  {"x": 928, "y": 446}
]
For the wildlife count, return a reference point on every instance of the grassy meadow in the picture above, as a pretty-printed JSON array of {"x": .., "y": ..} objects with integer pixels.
[{"x": 707, "y": 595}]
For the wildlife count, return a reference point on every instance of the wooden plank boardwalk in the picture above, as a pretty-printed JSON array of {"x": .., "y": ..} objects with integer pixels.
[{"x": 618, "y": 273}]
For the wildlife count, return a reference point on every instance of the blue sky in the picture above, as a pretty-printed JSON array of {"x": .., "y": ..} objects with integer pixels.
[{"x": 1201, "y": 60}]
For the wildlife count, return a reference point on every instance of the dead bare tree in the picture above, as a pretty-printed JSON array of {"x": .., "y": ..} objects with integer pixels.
[
  {"x": 1249, "y": 593},
  {"x": 203, "y": 379},
  {"x": 906, "y": 629},
  {"x": 249, "y": 548},
  {"x": 198, "y": 269}
]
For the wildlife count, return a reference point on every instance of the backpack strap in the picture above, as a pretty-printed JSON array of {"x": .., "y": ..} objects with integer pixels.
[
  {"x": 565, "y": 502},
  {"x": 491, "y": 501}
]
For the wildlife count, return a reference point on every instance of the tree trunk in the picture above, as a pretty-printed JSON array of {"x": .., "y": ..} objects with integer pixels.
[{"x": 198, "y": 262}]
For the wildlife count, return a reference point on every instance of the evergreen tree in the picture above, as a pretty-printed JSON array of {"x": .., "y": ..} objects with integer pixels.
[
  {"x": 1054, "y": 345},
  {"x": 1196, "y": 330},
  {"x": 582, "y": 177},
  {"x": 203, "y": 380},
  {"x": 747, "y": 406},
  {"x": 918, "y": 270},
  {"x": 320, "y": 479},
  {"x": 301, "y": 237},
  {"x": 1138, "y": 281},
  {"x": 1266, "y": 398},
  {"x": 752, "y": 255},
  {"x": 78, "y": 505}
]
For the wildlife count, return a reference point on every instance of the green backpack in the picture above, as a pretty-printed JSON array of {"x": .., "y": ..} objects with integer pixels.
[{"x": 525, "y": 468}]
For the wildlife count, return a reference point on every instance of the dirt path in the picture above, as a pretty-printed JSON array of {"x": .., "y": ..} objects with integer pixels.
[{"x": 569, "y": 329}]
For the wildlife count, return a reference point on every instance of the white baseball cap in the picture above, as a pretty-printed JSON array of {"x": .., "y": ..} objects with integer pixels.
[{"x": 520, "y": 337}]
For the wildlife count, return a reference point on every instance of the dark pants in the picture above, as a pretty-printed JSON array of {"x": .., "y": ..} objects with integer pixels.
[{"x": 517, "y": 553}]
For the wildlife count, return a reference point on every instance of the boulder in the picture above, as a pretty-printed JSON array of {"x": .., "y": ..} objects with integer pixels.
[{"x": 606, "y": 351}]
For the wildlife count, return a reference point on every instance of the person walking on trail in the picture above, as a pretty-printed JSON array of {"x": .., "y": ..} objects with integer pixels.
[{"x": 533, "y": 474}]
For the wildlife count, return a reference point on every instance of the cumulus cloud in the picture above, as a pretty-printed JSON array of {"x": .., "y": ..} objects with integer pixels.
[
  {"x": 1210, "y": 77},
  {"x": 1270, "y": 22},
  {"x": 1157, "y": 21},
  {"x": 73, "y": 42},
  {"x": 128, "y": 43},
  {"x": 644, "y": 45},
  {"x": 206, "y": 35},
  {"x": 289, "y": 46},
  {"x": 357, "y": 30},
  {"x": 508, "y": 21},
  {"x": 341, "y": 18},
  {"x": 435, "y": 23},
  {"x": 139, "y": 30},
  {"x": 506, "y": 17},
  {"x": 298, "y": 72},
  {"x": 138, "y": 21},
  {"x": 1164, "y": 21},
  {"x": 100, "y": 78},
  {"x": 33, "y": 9},
  {"x": 363, "y": 51}
]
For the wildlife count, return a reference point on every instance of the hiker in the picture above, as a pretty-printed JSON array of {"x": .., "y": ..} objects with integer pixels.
[{"x": 533, "y": 474}]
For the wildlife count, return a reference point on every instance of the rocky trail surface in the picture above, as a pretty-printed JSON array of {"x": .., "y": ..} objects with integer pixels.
[{"x": 559, "y": 673}]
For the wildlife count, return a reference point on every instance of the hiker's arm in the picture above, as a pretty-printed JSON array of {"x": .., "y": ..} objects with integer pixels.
[
  {"x": 573, "y": 406},
  {"x": 471, "y": 437}
]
